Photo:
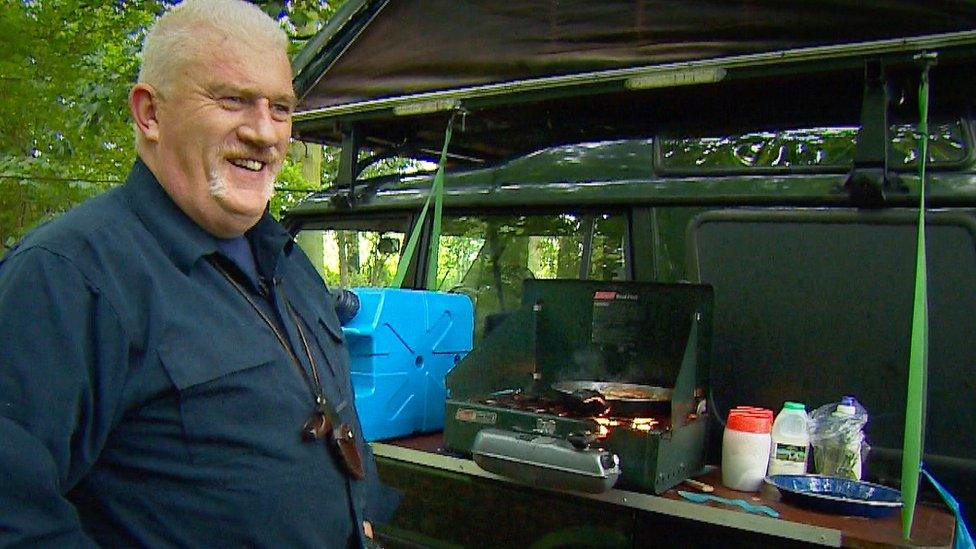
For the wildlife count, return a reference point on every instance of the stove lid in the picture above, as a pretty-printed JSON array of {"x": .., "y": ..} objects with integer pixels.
[
  {"x": 639, "y": 332},
  {"x": 635, "y": 332}
]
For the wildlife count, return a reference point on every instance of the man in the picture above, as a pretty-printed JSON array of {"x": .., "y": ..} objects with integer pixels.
[{"x": 172, "y": 371}]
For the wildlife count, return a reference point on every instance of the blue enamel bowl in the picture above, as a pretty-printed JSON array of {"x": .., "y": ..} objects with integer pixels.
[{"x": 837, "y": 495}]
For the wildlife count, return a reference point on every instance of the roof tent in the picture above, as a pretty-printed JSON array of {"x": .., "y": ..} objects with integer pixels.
[{"x": 385, "y": 73}]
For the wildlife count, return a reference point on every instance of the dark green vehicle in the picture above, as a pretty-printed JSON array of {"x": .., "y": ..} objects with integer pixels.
[{"x": 766, "y": 149}]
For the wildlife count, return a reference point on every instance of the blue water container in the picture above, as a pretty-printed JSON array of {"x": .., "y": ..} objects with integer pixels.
[{"x": 401, "y": 344}]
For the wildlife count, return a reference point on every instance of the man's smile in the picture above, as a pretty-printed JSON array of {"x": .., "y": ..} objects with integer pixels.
[{"x": 248, "y": 164}]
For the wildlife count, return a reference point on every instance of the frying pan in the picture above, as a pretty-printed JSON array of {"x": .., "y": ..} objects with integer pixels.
[{"x": 624, "y": 399}]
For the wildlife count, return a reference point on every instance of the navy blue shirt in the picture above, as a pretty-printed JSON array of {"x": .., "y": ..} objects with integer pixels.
[
  {"x": 238, "y": 250},
  {"x": 144, "y": 402}
]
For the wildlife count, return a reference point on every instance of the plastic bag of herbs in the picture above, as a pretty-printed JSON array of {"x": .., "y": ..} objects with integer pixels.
[{"x": 837, "y": 437}]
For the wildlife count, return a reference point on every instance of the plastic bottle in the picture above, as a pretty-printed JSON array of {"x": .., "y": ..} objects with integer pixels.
[
  {"x": 790, "y": 441},
  {"x": 745, "y": 448}
]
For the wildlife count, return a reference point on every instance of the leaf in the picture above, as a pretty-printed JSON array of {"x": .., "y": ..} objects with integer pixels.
[
  {"x": 299, "y": 18},
  {"x": 274, "y": 9}
]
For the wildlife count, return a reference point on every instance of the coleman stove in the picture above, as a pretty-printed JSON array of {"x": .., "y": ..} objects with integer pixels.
[{"x": 588, "y": 381}]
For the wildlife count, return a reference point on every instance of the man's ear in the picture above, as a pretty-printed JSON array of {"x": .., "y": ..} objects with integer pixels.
[{"x": 144, "y": 105}]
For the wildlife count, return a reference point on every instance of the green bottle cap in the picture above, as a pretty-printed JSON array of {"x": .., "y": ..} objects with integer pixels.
[{"x": 794, "y": 406}]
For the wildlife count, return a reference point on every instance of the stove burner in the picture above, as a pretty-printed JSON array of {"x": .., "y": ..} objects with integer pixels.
[
  {"x": 536, "y": 405},
  {"x": 565, "y": 408}
]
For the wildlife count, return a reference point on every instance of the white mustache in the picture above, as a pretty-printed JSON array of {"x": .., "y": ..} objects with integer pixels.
[
  {"x": 270, "y": 156},
  {"x": 218, "y": 186}
]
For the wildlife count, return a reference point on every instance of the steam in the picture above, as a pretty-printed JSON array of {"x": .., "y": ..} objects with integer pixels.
[{"x": 591, "y": 364}]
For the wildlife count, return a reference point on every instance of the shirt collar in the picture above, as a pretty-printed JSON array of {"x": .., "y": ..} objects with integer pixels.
[
  {"x": 180, "y": 237},
  {"x": 268, "y": 239}
]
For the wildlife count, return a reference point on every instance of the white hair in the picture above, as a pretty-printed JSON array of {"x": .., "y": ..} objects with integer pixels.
[{"x": 180, "y": 35}]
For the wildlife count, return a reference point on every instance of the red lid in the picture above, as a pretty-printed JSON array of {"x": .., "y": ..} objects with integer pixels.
[
  {"x": 754, "y": 410},
  {"x": 751, "y": 421}
]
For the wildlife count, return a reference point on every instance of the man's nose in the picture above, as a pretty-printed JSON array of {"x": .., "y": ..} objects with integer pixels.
[{"x": 259, "y": 127}]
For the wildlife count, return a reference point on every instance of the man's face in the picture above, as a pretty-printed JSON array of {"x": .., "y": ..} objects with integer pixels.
[{"x": 224, "y": 126}]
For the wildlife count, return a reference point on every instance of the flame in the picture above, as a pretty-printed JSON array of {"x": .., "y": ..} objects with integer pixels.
[
  {"x": 644, "y": 424},
  {"x": 606, "y": 424}
]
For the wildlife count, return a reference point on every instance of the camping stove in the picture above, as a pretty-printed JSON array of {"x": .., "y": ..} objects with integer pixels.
[{"x": 531, "y": 430}]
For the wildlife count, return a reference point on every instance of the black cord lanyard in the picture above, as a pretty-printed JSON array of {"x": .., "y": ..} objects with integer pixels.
[
  {"x": 324, "y": 422},
  {"x": 314, "y": 383}
]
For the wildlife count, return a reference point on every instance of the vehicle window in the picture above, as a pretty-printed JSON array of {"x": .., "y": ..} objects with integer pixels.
[
  {"x": 360, "y": 253},
  {"x": 807, "y": 148},
  {"x": 488, "y": 257}
]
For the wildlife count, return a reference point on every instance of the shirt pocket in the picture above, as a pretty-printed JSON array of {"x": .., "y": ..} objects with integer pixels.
[
  {"x": 332, "y": 342},
  {"x": 229, "y": 394}
]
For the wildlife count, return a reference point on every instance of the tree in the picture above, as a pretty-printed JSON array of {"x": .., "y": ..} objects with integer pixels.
[
  {"x": 65, "y": 71},
  {"x": 64, "y": 77}
]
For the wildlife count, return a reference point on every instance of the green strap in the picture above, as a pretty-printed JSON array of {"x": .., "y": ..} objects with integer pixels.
[
  {"x": 437, "y": 190},
  {"x": 911, "y": 461},
  {"x": 437, "y": 194}
]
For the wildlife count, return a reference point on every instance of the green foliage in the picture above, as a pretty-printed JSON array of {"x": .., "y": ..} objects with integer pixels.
[
  {"x": 301, "y": 19},
  {"x": 348, "y": 257},
  {"x": 65, "y": 71},
  {"x": 392, "y": 165},
  {"x": 64, "y": 78}
]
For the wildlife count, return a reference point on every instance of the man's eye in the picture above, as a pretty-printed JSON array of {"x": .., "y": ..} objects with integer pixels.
[
  {"x": 232, "y": 102},
  {"x": 281, "y": 110}
]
